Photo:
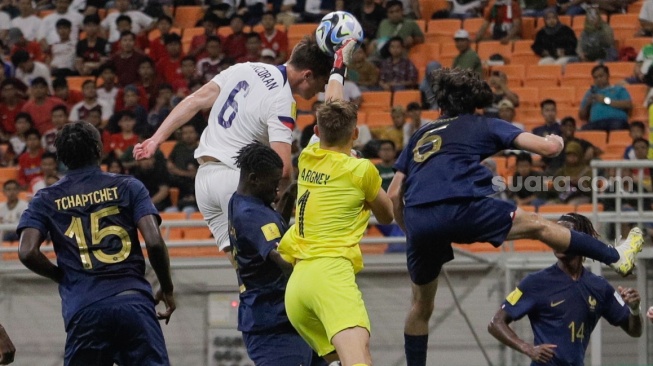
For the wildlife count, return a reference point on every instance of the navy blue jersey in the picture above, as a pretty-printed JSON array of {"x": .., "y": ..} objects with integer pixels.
[
  {"x": 254, "y": 231},
  {"x": 92, "y": 218},
  {"x": 443, "y": 159},
  {"x": 564, "y": 312}
]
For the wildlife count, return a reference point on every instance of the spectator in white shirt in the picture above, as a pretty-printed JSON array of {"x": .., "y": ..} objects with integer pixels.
[
  {"x": 140, "y": 21},
  {"x": 27, "y": 69},
  {"x": 27, "y": 21},
  {"x": 48, "y": 32},
  {"x": 11, "y": 210},
  {"x": 646, "y": 19},
  {"x": 62, "y": 53}
]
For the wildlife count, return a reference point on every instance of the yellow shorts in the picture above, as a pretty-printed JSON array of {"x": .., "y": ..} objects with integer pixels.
[{"x": 322, "y": 299}]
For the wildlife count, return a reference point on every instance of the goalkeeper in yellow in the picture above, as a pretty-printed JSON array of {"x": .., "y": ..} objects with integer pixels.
[{"x": 336, "y": 193}]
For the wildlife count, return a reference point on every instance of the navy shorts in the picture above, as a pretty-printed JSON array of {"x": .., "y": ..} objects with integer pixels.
[
  {"x": 284, "y": 347},
  {"x": 433, "y": 227},
  {"x": 120, "y": 329}
]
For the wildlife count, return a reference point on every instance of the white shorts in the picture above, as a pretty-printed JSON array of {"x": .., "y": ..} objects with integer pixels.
[{"x": 214, "y": 185}]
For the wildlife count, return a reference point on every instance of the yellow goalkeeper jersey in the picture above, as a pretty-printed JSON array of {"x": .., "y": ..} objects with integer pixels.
[{"x": 331, "y": 215}]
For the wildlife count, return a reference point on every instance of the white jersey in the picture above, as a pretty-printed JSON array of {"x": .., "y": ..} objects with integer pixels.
[{"x": 255, "y": 103}]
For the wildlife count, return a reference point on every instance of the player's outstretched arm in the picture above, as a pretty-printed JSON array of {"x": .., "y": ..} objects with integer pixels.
[
  {"x": 500, "y": 329},
  {"x": 381, "y": 207},
  {"x": 550, "y": 146},
  {"x": 29, "y": 253},
  {"x": 284, "y": 150},
  {"x": 182, "y": 113},
  {"x": 396, "y": 194},
  {"x": 7, "y": 349},
  {"x": 634, "y": 325},
  {"x": 157, "y": 252}
]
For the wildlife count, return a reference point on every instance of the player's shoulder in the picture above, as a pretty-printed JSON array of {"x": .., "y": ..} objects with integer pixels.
[{"x": 539, "y": 281}]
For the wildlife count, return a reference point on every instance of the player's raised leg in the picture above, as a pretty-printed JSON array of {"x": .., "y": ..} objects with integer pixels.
[{"x": 621, "y": 258}]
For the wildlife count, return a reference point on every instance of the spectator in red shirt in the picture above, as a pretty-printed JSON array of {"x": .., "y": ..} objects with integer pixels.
[
  {"x": 274, "y": 39},
  {"x": 18, "y": 42},
  {"x": 170, "y": 67},
  {"x": 253, "y": 46},
  {"x": 505, "y": 16},
  {"x": 199, "y": 43},
  {"x": 127, "y": 61},
  {"x": 214, "y": 62},
  {"x": 29, "y": 162},
  {"x": 234, "y": 45},
  {"x": 40, "y": 106},
  {"x": 11, "y": 105},
  {"x": 147, "y": 86},
  {"x": 61, "y": 91},
  {"x": 157, "y": 47},
  {"x": 119, "y": 142}
]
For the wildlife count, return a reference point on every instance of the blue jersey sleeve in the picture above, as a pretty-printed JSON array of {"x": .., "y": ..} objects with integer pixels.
[
  {"x": 261, "y": 230},
  {"x": 34, "y": 217},
  {"x": 504, "y": 133},
  {"x": 404, "y": 159},
  {"x": 142, "y": 202},
  {"x": 521, "y": 300},
  {"x": 615, "y": 311}
]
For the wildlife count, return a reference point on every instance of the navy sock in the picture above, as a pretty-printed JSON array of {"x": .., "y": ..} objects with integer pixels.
[
  {"x": 588, "y": 246},
  {"x": 415, "y": 348}
]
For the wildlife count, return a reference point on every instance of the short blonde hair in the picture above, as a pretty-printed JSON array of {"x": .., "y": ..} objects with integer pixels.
[{"x": 336, "y": 121}]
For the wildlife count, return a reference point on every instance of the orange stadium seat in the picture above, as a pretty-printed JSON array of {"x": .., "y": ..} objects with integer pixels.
[
  {"x": 522, "y": 46},
  {"x": 637, "y": 93},
  {"x": 8, "y": 173},
  {"x": 376, "y": 101},
  {"x": 620, "y": 71},
  {"x": 441, "y": 30},
  {"x": 189, "y": 33},
  {"x": 373, "y": 231},
  {"x": 200, "y": 232},
  {"x": 624, "y": 21},
  {"x": 421, "y": 54},
  {"x": 588, "y": 208},
  {"x": 542, "y": 75},
  {"x": 635, "y": 7},
  {"x": 379, "y": 119},
  {"x": 428, "y": 7},
  {"x": 297, "y": 31},
  {"x": 528, "y": 245},
  {"x": 155, "y": 33},
  {"x": 555, "y": 208},
  {"x": 431, "y": 115},
  {"x": 568, "y": 111},
  {"x": 597, "y": 138},
  {"x": 304, "y": 120},
  {"x": 563, "y": 95},
  {"x": 514, "y": 73},
  {"x": 172, "y": 233},
  {"x": 174, "y": 197},
  {"x": 580, "y": 93},
  {"x": 403, "y": 97},
  {"x": 472, "y": 25},
  {"x": 528, "y": 208},
  {"x": 528, "y": 28},
  {"x": 616, "y": 148},
  {"x": 303, "y": 104},
  {"x": 619, "y": 137},
  {"x": 187, "y": 16},
  {"x": 166, "y": 147},
  {"x": 421, "y": 24},
  {"x": 75, "y": 82},
  {"x": 478, "y": 247},
  {"x": 528, "y": 97},
  {"x": 448, "y": 53},
  {"x": 637, "y": 42},
  {"x": 489, "y": 48},
  {"x": 522, "y": 54}
]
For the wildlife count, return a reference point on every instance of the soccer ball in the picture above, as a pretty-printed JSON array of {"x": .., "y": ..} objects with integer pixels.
[{"x": 335, "y": 28}]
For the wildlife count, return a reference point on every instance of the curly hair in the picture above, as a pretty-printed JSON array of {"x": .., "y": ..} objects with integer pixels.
[
  {"x": 78, "y": 145},
  {"x": 459, "y": 91},
  {"x": 257, "y": 158},
  {"x": 581, "y": 223}
]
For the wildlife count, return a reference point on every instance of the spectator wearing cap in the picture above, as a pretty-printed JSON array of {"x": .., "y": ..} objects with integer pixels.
[
  {"x": 397, "y": 71},
  {"x": 126, "y": 62},
  {"x": 505, "y": 18},
  {"x": 274, "y": 39},
  {"x": 467, "y": 57},
  {"x": 17, "y": 42},
  {"x": 27, "y": 21},
  {"x": 199, "y": 42},
  {"x": 27, "y": 70},
  {"x": 253, "y": 47},
  {"x": 170, "y": 67},
  {"x": 140, "y": 22},
  {"x": 40, "y": 105},
  {"x": 396, "y": 25},
  {"x": 268, "y": 57},
  {"x": 507, "y": 113},
  {"x": 91, "y": 51},
  {"x": 215, "y": 60},
  {"x": 11, "y": 103},
  {"x": 48, "y": 32},
  {"x": 235, "y": 44}
]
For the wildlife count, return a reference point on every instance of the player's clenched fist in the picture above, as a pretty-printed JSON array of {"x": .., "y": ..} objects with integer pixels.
[
  {"x": 7, "y": 349},
  {"x": 145, "y": 150}
]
